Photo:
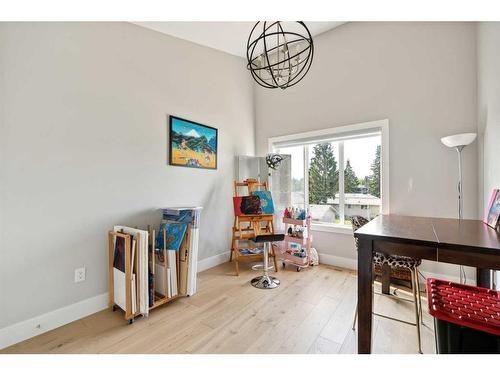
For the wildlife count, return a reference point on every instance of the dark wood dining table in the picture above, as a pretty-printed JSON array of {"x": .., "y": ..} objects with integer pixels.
[{"x": 463, "y": 242}]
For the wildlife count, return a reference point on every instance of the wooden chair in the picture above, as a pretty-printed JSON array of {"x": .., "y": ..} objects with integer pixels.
[{"x": 246, "y": 227}]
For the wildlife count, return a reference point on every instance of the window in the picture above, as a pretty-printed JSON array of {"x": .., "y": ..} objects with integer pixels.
[
  {"x": 298, "y": 186},
  {"x": 338, "y": 173}
]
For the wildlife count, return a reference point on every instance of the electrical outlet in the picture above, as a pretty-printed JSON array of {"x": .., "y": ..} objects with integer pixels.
[{"x": 80, "y": 275}]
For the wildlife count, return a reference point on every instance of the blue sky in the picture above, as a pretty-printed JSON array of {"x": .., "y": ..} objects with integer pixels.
[{"x": 184, "y": 127}]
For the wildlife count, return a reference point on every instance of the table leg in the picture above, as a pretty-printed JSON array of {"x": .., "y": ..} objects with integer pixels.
[
  {"x": 386, "y": 279},
  {"x": 483, "y": 277},
  {"x": 365, "y": 295}
]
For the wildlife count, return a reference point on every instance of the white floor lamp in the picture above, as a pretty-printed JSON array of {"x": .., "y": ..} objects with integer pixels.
[{"x": 458, "y": 142}]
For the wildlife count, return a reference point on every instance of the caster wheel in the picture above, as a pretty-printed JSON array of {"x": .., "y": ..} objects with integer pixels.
[
  {"x": 284, "y": 264},
  {"x": 298, "y": 269},
  {"x": 130, "y": 321},
  {"x": 113, "y": 308}
]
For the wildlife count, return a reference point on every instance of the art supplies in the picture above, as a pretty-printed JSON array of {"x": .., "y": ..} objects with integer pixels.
[
  {"x": 249, "y": 251},
  {"x": 298, "y": 240},
  {"x": 295, "y": 213}
]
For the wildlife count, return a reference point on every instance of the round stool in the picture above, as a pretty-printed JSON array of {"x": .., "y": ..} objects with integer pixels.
[{"x": 265, "y": 281}]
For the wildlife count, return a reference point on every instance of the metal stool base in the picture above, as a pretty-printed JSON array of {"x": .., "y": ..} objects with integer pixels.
[{"x": 265, "y": 282}]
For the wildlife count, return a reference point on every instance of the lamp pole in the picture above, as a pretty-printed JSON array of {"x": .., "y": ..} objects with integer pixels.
[
  {"x": 460, "y": 191},
  {"x": 458, "y": 142},
  {"x": 460, "y": 200}
]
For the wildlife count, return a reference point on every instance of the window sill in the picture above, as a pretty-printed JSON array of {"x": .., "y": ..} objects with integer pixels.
[{"x": 332, "y": 228}]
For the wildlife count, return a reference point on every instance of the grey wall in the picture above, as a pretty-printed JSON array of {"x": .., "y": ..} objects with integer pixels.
[
  {"x": 420, "y": 76},
  {"x": 83, "y": 146},
  {"x": 488, "y": 52}
]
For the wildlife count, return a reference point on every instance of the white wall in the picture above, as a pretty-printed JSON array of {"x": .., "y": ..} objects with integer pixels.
[
  {"x": 420, "y": 76},
  {"x": 83, "y": 146},
  {"x": 83, "y": 128},
  {"x": 488, "y": 52}
]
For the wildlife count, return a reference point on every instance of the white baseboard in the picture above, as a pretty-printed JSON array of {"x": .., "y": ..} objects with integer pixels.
[
  {"x": 352, "y": 264},
  {"x": 333, "y": 260},
  {"x": 213, "y": 261},
  {"x": 26, "y": 329},
  {"x": 32, "y": 327}
]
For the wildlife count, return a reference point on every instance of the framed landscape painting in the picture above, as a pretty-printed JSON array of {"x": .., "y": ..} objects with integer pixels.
[{"x": 192, "y": 144}]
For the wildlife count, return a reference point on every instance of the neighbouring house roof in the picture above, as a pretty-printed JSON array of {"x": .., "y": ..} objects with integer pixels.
[
  {"x": 357, "y": 199},
  {"x": 350, "y": 198}
]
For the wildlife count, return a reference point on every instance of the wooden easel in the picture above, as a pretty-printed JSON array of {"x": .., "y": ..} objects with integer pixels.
[
  {"x": 249, "y": 226},
  {"x": 251, "y": 185}
]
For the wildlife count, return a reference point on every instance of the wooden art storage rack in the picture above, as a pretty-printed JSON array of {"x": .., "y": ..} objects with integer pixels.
[
  {"x": 249, "y": 226},
  {"x": 182, "y": 258}
]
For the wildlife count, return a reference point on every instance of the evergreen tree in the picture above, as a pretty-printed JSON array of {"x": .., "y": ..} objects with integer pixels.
[
  {"x": 350, "y": 179},
  {"x": 374, "y": 182},
  {"x": 323, "y": 174}
]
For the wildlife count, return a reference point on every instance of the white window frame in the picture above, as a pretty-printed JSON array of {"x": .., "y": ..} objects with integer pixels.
[{"x": 338, "y": 133}]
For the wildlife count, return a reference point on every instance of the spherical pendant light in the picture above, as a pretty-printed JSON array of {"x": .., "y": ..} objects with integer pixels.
[
  {"x": 273, "y": 161},
  {"x": 279, "y": 54}
]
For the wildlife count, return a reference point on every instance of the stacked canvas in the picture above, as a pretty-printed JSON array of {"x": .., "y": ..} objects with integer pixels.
[
  {"x": 139, "y": 249},
  {"x": 168, "y": 244},
  {"x": 144, "y": 276},
  {"x": 188, "y": 264},
  {"x": 166, "y": 275}
]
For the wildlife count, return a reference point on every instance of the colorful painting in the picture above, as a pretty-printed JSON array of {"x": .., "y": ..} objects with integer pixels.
[
  {"x": 493, "y": 213},
  {"x": 174, "y": 234},
  {"x": 192, "y": 145},
  {"x": 266, "y": 201},
  {"x": 248, "y": 205}
]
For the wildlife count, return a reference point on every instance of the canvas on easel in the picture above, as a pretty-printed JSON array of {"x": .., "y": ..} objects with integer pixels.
[
  {"x": 247, "y": 205},
  {"x": 266, "y": 201}
]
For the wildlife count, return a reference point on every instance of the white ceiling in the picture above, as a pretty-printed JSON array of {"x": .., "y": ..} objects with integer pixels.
[{"x": 230, "y": 37}]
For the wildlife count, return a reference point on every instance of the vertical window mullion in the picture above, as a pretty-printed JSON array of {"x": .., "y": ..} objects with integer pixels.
[
  {"x": 341, "y": 183},
  {"x": 306, "y": 177}
]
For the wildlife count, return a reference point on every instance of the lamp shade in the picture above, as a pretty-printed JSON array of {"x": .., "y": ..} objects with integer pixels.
[{"x": 458, "y": 140}]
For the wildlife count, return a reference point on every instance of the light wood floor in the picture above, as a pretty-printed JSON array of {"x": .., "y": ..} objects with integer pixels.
[{"x": 311, "y": 312}]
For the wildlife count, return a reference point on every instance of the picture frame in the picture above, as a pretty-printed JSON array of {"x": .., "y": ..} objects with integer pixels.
[
  {"x": 493, "y": 210},
  {"x": 191, "y": 144}
]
